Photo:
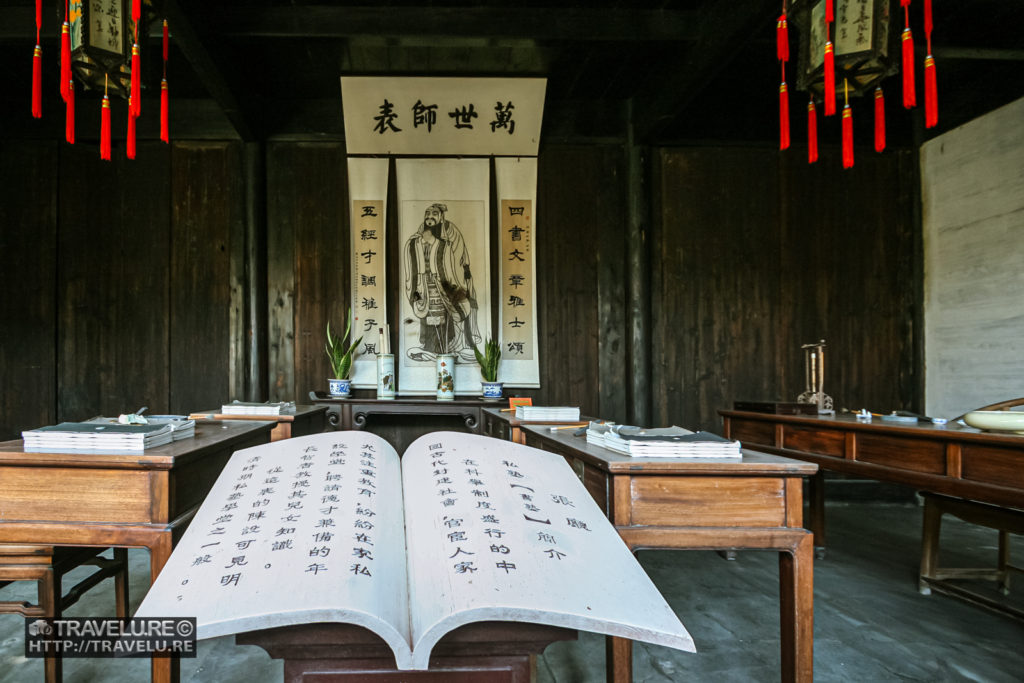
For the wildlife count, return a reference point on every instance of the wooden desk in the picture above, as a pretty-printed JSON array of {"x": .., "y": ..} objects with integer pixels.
[
  {"x": 128, "y": 501},
  {"x": 948, "y": 459},
  {"x": 305, "y": 420},
  {"x": 401, "y": 421},
  {"x": 692, "y": 503},
  {"x": 488, "y": 652}
]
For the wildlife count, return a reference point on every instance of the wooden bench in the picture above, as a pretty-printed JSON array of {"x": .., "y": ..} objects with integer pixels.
[
  {"x": 47, "y": 565},
  {"x": 934, "y": 577}
]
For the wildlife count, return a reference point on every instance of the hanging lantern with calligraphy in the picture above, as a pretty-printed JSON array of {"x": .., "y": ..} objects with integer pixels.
[
  {"x": 863, "y": 45},
  {"x": 102, "y": 35}
]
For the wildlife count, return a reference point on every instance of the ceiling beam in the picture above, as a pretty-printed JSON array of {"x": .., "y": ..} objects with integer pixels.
[
  {"x": 208, "y": 69},
  {"x": 722, "y": 26},
  {"x": 540, "y": 23}
]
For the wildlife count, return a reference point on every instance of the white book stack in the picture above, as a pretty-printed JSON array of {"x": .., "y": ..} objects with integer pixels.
[
  {"x": 96, "y": 437},
  {"x": 248, "y": 408},
  {"x": 596, "y": 432},
  {"x": 669, "y": 442},
  {"x": 548, "y": 413},
  {"x": 182, "y": 427}
]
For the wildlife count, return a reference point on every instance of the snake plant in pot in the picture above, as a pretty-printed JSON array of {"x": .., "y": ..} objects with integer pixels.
[
  {"x": 341, "y": 359},
  {"x": 489, "y": 360}
]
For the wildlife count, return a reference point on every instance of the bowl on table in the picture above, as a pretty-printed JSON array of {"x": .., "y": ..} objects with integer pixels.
[{"x": 996, "y": 420}]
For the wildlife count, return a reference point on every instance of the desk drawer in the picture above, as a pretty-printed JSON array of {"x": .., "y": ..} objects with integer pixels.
[
  {"x": 708, "y": 501},
  {"x": 1001, "y": 466},
  {"x": 811, "y": 440},
  {"x": 75, "y": 495},
  {"x": 752, "y": 433},
  {"x": 916, "y": 455}
]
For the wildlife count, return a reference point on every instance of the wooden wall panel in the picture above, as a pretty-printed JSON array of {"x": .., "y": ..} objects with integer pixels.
[
  {"x": 848, "y": 264},
  {"x": 28, "y": 238},
  {"x": 308, "y": 262},
  {"x": 113, "y": 282},
  {"x": 206, "y": 228},
  {"x": 757, "y": 253},
  {"x": 716, "y": 316},
  {"x": 581, "y": 272}
]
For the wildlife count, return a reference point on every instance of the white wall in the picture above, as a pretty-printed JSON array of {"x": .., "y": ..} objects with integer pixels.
[{"x": 973, "y": 217}]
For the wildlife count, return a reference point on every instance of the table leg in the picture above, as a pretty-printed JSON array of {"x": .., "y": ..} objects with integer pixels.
[
  {"x": 619, "y": 659},
  {"x": 164, "y": 669},
  {"x": 931, "y": 528},
  {"x": 816, "y": 500},
  {"x": 796, "y": 602}
]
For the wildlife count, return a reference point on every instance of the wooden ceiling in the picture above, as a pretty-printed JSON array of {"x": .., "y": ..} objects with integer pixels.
[{"x": 701, "y": 71}]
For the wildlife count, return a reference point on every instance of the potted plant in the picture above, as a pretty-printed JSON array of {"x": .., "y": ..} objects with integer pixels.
[
  {"x": 341, "y": 359},
  {"x": 489, "y": 361}
]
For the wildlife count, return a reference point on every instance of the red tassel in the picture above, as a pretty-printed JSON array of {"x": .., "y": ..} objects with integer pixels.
[
  {"x": 782, "y": 39},
  {"x": 847, "y": 137},
  {"x": 812, "y": 133},
  {"x": 830, "y": 14},
  {"x": 931, "y": 97},
  {"x": 37, "y": 83},
  {"x": 928, "y": 19},
  {"x": 105, "y": 129},
  {"x": 909, "y": 97},
  {"x": 136, "y": 11},
  {"x": 135, "y": 101},
  {"x": 130, "y": 143},
  {"x": 879, "y": 120},
  {"x": 164, "y": 127},
  {"x": 39, "y": 18},
  {"x": 830, "y": 79},
  {"x": 783, "y": 116},
  {"x": 65, "y": 59},
  {"x": 69, "y": 115}
]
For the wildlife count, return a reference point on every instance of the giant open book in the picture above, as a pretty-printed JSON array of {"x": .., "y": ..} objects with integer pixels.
[{"x": 335, "y": 527}]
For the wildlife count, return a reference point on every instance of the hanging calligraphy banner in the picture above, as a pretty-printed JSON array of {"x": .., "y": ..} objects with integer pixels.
[
  {"x": 516, "y": 181},
  {"x": 443, "y": 207},
  {"x": 449, "y": 116},
  {"x": 368, "y": 189}
]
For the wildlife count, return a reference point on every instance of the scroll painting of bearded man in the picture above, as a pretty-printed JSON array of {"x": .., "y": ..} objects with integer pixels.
[{"x": 439, "y": 288}]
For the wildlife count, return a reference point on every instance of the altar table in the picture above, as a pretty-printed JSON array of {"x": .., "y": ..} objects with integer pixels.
[
  {"x": 697, "y": 503},
  {"x": 142, "y": 500}
]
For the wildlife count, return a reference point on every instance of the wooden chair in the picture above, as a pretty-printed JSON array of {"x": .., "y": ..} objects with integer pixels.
[{"x": 47, "y": 565}]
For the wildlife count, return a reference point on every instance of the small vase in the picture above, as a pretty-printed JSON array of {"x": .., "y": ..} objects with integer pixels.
[
  {"x": 386, "y": 376},
  {"x": 445, "y": 377},
  {"x": 340, "y": 388},
  {"x": 491, "y": 390}
]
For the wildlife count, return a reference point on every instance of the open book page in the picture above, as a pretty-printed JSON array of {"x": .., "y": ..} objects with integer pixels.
[
  {"x": 500, "y": 531},
  {"x": 297, "y": 531}
]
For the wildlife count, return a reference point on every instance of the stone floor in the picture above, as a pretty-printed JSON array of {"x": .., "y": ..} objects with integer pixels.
[{"x": 870, "y": 623}]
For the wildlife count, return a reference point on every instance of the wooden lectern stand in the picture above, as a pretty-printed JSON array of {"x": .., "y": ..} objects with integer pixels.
[{"x": 498, "y": 652}]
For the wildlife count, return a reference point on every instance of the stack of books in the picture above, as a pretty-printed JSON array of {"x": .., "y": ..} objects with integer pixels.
[
  {"x": 246, "y": 408},
  {"x": 669, "y": 442},
  {"x": 548, "y": 413},
  {"x": 182, "y": 427},
  {"x": 96, "y": 437},
  {"x": 597, "y": 431}
]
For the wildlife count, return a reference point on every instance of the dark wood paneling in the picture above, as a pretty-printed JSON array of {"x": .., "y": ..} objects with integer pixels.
[
  {"x": 28, "y": 238},
  {"x": 207, "y": 225},
  {"x": 717, "y": 319},
  {"x": 993, "y": 466},
  {"x": 308, "y": 261},
  {"x": 113, "y": 282},
  {"x": 907, "y": 454},
  {"x": 757, "y": 253},
  {"x": 581, "y": 271},
  {"x": 813, "y": 441}
]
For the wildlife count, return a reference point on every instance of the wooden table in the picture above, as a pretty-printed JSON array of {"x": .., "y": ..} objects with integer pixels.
[
  {"x": 401, "y": 421},
  {"x": 305, "y": 420},
  {"x": 696, "y": 503},
  {"x": 484, "y": 652},
  {"x": 128, "y": 501},
  {"x": 949, "y": 459}
]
